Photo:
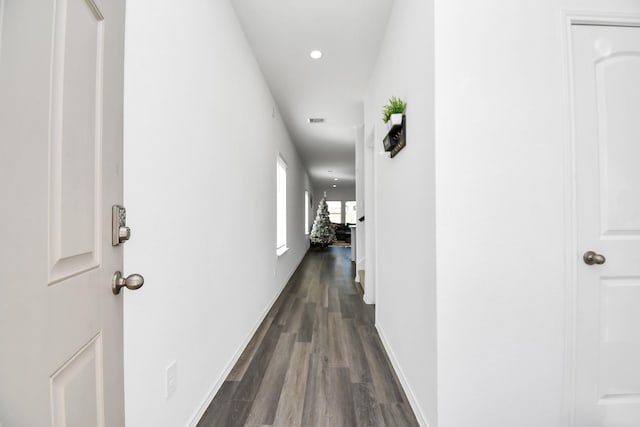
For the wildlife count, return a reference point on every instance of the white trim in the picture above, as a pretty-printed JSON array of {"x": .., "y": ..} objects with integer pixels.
[
  {"x": 241, "y": 348},
  {"x": 281, "y": 250},
  {"x": 281, "y": 245},
  {"x": 307, "y": 210},
  {"x": 571, "y": 18},
  {"x": 417, "y": 410},
  {"x": 610, "y": 19},
  {"x": 569, "y": 394}
]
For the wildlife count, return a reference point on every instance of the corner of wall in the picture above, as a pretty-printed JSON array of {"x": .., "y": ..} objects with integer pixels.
[
  {"x": 413, "y": 402},
  {"x": 400, "y": 242}
]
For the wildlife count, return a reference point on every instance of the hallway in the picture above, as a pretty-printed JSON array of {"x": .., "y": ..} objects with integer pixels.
[{"x": 315, "y": 360}]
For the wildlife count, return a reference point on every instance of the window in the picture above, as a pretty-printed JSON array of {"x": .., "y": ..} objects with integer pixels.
[
  {"x": 306, "y": 212},
  {"x": 335, "y": 211},
  {"x": 281, "y": 205},
  {"x": 350, "y": 214}
]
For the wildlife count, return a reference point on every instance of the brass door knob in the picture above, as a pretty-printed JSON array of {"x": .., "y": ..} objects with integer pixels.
[
  {"x": 591, "y": 258},
  {"x": 131, "y": 282}
]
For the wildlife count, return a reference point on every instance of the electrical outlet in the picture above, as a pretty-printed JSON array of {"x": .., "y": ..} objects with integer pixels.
[{"x": 172, "y": 379}]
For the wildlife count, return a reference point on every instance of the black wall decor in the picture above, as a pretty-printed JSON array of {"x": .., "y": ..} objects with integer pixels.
[{"x": 396, "y": 138}]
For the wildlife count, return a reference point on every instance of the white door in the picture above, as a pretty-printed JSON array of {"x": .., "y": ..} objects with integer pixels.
[
  {"x": 606, "y": 74},
  {"x": 61, "y": 90}
]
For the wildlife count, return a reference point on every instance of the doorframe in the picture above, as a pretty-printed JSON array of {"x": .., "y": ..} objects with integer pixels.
[{"x": 571, "y": 261}]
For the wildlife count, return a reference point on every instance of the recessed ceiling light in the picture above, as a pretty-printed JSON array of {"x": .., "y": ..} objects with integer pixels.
[
  {"x": 335, "y": 179},
  {"x": 334, "y": 186},
  {"x": 315, "y": 54}
]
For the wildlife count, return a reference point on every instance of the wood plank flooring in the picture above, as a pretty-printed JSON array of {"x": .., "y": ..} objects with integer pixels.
[{"x": 316, "y": 359}]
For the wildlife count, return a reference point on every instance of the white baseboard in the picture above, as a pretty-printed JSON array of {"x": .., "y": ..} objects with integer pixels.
[
  {"x": 218, "y": 384},
  {"x": 417, "y": 410}
]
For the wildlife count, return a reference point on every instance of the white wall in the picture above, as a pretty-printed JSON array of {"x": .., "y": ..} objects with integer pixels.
[
  {"x": 399, "y": 203},
  {"x": 500, "y": 136},
  {"x": 200, "y": 162},
  {"x": 502, "y": 131}
]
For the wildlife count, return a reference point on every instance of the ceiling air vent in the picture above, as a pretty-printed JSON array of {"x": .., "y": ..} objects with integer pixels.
[{"x": 315, "y": 120}]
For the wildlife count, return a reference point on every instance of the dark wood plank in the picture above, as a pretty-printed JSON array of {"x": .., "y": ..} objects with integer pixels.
[
  {"x": 281, "y": 316},
  {"x": 346, "y": 306},
  {"x": 357, "y": 358},
  {"x": 306, "y": 325},
  {"x": 223, "y": 410},
  {"x": 348, "y": 286},
  {"x": 381, "y": 371},
  {"x": 398, "y": 415},
  {"x": 320, "y": 336},
  {"x": 371, "y": 313},
  {"x": 315, "y": 397},
  {"x": 265, "y": 403},
  {"x": 295, "y": 316},
  {"x": 291, "y": 403},
  {"x": 220, "y": 406},
  {"x": 334, "y": 300},
  {"x": 325, "y": 296},
  {"x": 275, "y": 308},
  {"x": 359, "y": 309},
  {"x": 365, "y": 405},
  {"x": 340, "y": 411},
  {"x": 252, "y": 377},
  {"x": 337, "y": 351},
  {"x": 305, "y": 285},
  {"x": 241, "y": 366},
  {"x": 317, "y": 292}
]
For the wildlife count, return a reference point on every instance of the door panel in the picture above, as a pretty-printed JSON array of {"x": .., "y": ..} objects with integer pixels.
[
  {"x": 606, "y": 72},
  {"x": 61, "y": 90},
  {"x": 76, "y": 138},
  {"x": 77, "y": 387},
  {"x": 618, "y": 113}
]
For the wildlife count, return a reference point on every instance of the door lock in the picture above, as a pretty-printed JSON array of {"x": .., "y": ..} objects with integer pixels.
[{"x": 120, "y": 232}]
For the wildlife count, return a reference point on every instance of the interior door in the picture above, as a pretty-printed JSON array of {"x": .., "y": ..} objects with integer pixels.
[
  {"x": 61, "y": 94},
  {"x": 606, "y": 72}
]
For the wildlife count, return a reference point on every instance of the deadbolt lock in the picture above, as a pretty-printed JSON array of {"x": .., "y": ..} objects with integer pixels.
[{"x": 120, "y": 232}]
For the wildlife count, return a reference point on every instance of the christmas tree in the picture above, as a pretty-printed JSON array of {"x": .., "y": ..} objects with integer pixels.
[{"x": 323, "y": 232}]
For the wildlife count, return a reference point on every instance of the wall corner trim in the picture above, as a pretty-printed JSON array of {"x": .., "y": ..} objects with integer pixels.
[{"x": 413, "y": 402}]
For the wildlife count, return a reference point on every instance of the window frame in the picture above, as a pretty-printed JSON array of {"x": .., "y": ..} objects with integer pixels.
[
  {"x": 281, "y": 205},
  {"x": 355, "y": 212},
  {"x": 307, "y": 205}
]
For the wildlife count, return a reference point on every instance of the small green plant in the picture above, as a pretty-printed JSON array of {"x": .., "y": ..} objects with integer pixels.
[{"x": 395, "y": 106}]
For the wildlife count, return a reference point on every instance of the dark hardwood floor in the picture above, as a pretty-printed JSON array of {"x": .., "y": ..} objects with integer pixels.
[{"x": 316, "y": 360}]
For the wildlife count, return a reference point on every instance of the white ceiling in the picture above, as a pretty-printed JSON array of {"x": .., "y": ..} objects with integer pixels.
[{"x": 348, "y": 32}]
